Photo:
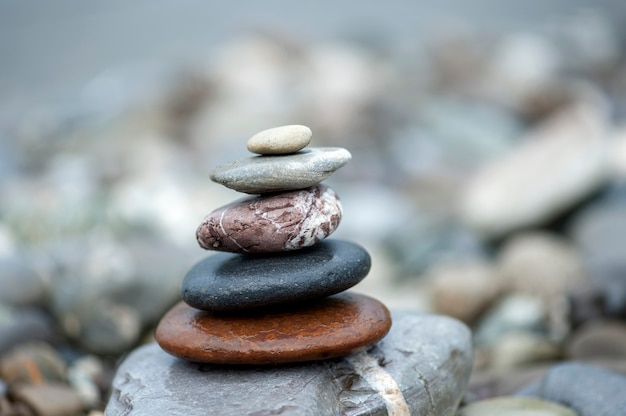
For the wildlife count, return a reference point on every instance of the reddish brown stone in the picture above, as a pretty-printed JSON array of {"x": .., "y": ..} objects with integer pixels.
[
  {"x": 332, "y": 327},
  {"x": 272, "y": 223}
]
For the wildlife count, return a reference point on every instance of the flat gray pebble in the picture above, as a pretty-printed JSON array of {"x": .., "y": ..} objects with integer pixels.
[{"x": 262, "y": 174}]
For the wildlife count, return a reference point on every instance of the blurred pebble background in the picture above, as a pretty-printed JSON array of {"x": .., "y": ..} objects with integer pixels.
[{"x": 488, "y": 178}]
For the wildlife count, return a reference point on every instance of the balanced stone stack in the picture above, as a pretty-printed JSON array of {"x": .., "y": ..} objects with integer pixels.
[{"x": 275, "y": 293}]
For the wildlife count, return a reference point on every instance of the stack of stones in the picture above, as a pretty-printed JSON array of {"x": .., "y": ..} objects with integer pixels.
[{"x": 276, "y": 292}]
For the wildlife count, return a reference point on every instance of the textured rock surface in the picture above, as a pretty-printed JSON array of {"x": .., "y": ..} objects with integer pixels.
[
  {"x": 515, "y": 406},
  {"x": 272, "y": 223},
  {"x": 280, "y": 140},
  {"x": 421, "y": 368},
  {"x": 227, "y": 282},
  {"x": 331, "y": 327},
  {"x": 561, "y": 163},
  {"x": 590, "y": 390},
  {"x": 261, "y": 174}
]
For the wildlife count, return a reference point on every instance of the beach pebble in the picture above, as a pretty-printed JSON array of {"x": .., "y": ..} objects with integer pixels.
[
  {"x": 261, "y": 174},
  {"x": 272, "y": 223},
  {"x": 280, "y": 140},
  {"x": 331, "y": 327},
  {"x": 589, "y": 390},
  {"x": 515, "y": 406},
  {"x": 232, "y": 282}
]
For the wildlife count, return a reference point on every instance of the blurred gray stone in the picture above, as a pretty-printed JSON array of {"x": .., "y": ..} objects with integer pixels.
[
  {"x": 463, "y": 290},
  {"x": 598, "y": 339},
  {"x": 48, "y": 399},
  {"x": 520, "y": 349},
  {"x": 600, "y": 232},
  {"x": 33, "y": 363},
  {"x": 106, "y": 292},
  {"x": 440, "y": 240},
  {"x": 541, "y": 264},
  {"x": 561, "y": 162},
  {"x": 21, "y": 284},
  {"x": 420, "y": 367},
  {"x": 515, "y": 406},
  {"x": 82, "y": 375},
  {"x": 589, "y": 390},
  {"x": 513, "y": 313},
  {"x": 21, "y": 325}
]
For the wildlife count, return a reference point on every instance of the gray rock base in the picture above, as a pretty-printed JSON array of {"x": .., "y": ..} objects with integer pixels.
[{"x": 420, "y": 368}]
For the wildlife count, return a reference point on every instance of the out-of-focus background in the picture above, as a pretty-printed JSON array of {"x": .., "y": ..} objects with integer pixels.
[{"x": 487, "y": 180}]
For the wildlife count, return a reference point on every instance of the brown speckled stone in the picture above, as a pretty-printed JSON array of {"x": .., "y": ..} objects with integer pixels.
[
  {"x": 272, "y": 223},
  {"x": 332, "y": 327}
]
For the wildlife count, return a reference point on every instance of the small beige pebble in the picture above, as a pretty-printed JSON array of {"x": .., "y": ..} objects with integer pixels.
[{"x": 280, "y": 140}]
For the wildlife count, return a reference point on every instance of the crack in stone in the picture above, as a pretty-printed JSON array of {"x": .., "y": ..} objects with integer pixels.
[{"x": 426, "y": 384}]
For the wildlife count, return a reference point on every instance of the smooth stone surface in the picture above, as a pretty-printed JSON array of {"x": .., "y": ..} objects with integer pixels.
[
  {"x": 21, "y": 285},
  {"x": 34, "y": 363},
  {"x": 560, "y": 163},
  {"x": 49, "y": 399},
  {"x": 590, "y": 390},
  {"x": 230, "y": 282},
  {"x": 520, "y": 349},
  {"x": 261, "y": 174},
  {"x": 599, "y": 339},
  {"x": 463, "y": 290},
  {"x": 515, "y": 406},
  {"x": 421, "y": 368},
  {"x": 272, "y": 223},
  {"x": 280, "y": 140},
  {"x": 512, "y": 313},
  {"x": 22, "y": 325},
  {"x": 600, "y": 233},
  {"x": 331, "y": 327},
  {"x": 522, "y": 265},
  {"x": 107, "y": 292}
]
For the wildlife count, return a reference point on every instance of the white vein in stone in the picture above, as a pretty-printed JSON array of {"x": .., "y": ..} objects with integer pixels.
[{"x": 367, "y": 367}]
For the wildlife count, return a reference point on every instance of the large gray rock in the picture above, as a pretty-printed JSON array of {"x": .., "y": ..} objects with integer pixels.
[{"x": 420, "y": 368}]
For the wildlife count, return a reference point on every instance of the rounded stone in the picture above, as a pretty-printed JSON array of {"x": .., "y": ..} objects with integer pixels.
[
  {"x": 421, "y": 367},
  {"x": 332, "y": 327},
  {"x": 280, "y": 140},
  {"x": 33, "y": 363},
  {"x": 231, "y": 282},
  {"x": 598, "y": 339},
  {"x": 515, "y": 406},
  {"x": 262, "y": 174},
  {"x": 272, "y": 223}
]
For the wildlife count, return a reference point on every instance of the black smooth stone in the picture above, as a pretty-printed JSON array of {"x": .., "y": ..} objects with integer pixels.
[{"x": 231, "y": 282}]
